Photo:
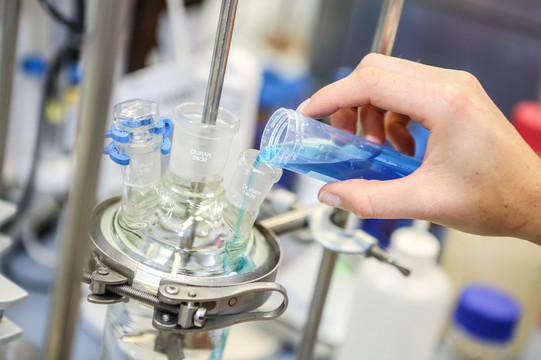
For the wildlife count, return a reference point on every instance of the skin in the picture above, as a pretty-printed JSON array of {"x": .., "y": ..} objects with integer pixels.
[{"x": 478, "y": 174}]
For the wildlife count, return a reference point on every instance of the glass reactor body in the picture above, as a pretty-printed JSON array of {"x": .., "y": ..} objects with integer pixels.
[{"x": 183, "y": 228}]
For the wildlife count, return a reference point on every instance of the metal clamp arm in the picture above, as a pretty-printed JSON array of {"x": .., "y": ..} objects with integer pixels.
[{"x": 212, "y": 308}]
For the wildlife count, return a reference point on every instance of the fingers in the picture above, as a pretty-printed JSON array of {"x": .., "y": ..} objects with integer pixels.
[
  {"x": 407, "y": 67},
  {"x": 372, "y": 124},
  {"x": 345, "y": 119},
  {"x": 377, "y": 199},
  {"x": 396, "y": 128},
  {"x": 380, "y": 88}
]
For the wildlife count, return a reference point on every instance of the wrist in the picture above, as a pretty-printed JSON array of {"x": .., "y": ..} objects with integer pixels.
[{"x": 527, "y": 224}]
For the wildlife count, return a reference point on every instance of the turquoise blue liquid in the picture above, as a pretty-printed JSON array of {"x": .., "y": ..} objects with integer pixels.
[
  {"x": 233, "y": 248},
  {"x": 330, "y": 162}
]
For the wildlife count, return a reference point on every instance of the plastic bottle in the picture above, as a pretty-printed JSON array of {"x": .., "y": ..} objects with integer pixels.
[
  {"x": 306, "y": 146},
  {"x": 484, "y": 324},
  {"x": 397, "y": 317}
]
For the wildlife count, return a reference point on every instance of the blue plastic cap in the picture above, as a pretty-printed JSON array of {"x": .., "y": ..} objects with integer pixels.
[
  {"x": 120, "y": 136},
  {"x": 166, "y": 146},
  {"x": 168, "y": 126},
  {"x": 75, "y": 74},
  {"x": 34, "y": 65},
  {"x": 487, "y": 313}
]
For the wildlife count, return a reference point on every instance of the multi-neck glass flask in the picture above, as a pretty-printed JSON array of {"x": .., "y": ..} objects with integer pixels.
[{"x": 182, "y": 223}]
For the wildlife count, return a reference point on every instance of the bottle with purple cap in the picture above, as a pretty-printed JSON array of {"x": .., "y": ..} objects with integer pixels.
[{"x": 484, "y": 323}]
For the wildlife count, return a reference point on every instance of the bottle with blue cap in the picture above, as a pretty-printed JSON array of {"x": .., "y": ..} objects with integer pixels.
[{"x": 484, "y": 323}]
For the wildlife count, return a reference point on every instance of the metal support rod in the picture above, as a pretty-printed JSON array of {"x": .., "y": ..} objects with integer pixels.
[
  {"x": 384, "y": 38},
  {"x": 388, "y": 22},
  {"x": 222, "y": 44},
  {"x": 289, "y": 221},
  {"x": 9, "y": 22},
  {"x": 309, "y": 338},
  {"x": 105, "y": 24}
]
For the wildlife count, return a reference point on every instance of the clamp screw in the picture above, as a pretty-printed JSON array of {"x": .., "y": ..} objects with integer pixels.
[
  {"x": 171, "y": 290},
  {"x": 232, "y": 301},
  {"x": 192, "y": 294},
  {"x": 166, "y": 318},
  {"x": 103, "y": 271}
]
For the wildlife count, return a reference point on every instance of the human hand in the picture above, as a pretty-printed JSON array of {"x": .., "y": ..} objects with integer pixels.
[{"x": 478, "y": 174}]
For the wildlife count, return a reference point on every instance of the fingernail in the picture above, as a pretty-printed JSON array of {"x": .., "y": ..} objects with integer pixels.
[
  {"x": 330, "y": 199},
  {"x": 373, "y": 139},
  {"x": 301, "y": 107}
]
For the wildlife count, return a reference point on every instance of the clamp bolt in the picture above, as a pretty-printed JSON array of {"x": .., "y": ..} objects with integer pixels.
[
  {"x": 171, "y": 290},
  {"x": 103, "y": 271},
  {"x": 192, "y": 294},
  {"x": 232, "y": 301}
]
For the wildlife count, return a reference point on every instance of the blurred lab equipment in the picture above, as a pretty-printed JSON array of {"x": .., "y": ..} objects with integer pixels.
[
  {"x": 396, "y": 317},
  {"x": 484, "y": 322},
  {"x": 23, "y": 129},
  {"x": 11, "y": 295},
  {"x": 479, "y": 36},
  {"x": 303, "y": 145},
  {"x": 8, "y": 32}
]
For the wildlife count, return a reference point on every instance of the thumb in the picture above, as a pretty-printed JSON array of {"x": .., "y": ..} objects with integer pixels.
[{"x": 388, "y": 199}]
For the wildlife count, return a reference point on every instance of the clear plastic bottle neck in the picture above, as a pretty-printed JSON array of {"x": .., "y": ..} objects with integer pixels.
[
  {"x": 415, "y": 247},
  {"x": 281, "y": 137}
]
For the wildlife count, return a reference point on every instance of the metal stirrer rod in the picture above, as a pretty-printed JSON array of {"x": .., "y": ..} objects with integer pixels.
[{"x": 219, "y": 61}]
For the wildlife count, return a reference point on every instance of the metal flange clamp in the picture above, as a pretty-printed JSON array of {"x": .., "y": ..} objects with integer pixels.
[{"x": 210, "y": 308}]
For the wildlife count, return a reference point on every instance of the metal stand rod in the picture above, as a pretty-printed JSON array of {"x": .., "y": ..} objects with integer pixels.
[
  {"x": 289, "y": 221},
  {"x": 328, "y": 260},
  {"x": 222, "y": 44},
  {"x": 9, "y": 22},
  {"x": 384, "y": 38},
  {"x": 388, "y": 22},
  {"x": 106, "y": 21}
]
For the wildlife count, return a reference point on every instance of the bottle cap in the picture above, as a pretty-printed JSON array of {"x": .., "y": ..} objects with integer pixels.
[
  {"x": 34, "y": 65},
  {"x": 487, "y": 313},
  {"x": 527, "y": 120},
  {"x": 415, "y": 242}
]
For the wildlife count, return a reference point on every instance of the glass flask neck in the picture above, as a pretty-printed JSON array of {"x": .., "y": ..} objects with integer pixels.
[{"x": 137, "y": 139}]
